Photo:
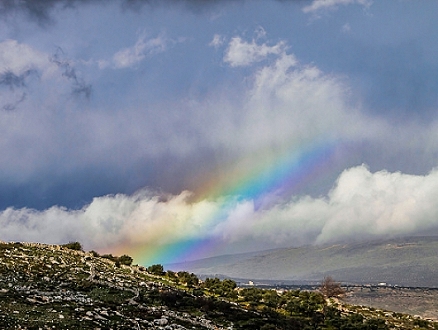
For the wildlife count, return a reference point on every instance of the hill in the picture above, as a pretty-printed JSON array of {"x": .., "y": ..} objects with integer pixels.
[
  {"x": 406, "y": 262},
  {"x": 62, "y": 287}
]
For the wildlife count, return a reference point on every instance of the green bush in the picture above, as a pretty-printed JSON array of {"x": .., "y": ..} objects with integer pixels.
[
  {"x": 94, "y": 253},
  {"x": 125, "y": 260},
  {"x": 188, "y": 279},
  {"x": 73, "y": 246},
  {"x": 156, "y": 269},
  {"x": 109, "y": 256}
]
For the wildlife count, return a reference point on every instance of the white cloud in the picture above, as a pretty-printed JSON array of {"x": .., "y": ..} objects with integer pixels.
[
  {"x": 27, "y": 73},
  {"x": 217, "y": 41},
  {"x": 361, "y": 205},
  {"x": 243, "y": 53},
  {"x": 290, "y": 104},
  {"x": 365, "y": 204},
  {"x": 18, "y": 58},
  {"x": 260, "y": 32},
  {"x": 129, "y": 57},
  {"x": 318, "y": 5},
  {"x": 112, "y": 220}
]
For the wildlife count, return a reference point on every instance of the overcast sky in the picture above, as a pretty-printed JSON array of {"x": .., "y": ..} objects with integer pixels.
[{"x": 132, "y": 125}]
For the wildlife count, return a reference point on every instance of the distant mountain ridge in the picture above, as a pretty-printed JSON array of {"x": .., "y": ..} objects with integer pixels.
[{"x": 410, "y": 261}]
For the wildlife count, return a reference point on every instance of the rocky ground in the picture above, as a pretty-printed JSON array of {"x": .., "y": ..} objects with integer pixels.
[
  {"x": 54, "y": 287},
  {"x": 48, "y": 287}
]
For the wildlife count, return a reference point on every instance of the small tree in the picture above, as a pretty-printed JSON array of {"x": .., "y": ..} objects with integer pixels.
[
  {"x": 331, "y": 288},
  {"x": 95, "y": 254},
  {"x": 109, "y": 257},
  {"x": 73, "y": 246},
  {"x": 125, "y": 260},
  {"x": 156, "y": 269},
  {"x": 188, "y": 279},
  {"x": 172, "y": 276}
]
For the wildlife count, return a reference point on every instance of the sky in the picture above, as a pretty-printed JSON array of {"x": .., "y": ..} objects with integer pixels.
[{"x": 181, "y": 129}]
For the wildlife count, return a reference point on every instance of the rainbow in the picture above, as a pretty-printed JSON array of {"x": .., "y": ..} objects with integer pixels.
[{"x": 268, "y": 183}]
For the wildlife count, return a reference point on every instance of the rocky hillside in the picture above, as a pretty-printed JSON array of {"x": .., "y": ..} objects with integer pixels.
[
  {"x": 46, "y": 286},
  {"x": 55, "y": 287}
]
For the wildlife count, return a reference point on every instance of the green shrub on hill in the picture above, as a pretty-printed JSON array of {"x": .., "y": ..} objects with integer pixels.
[
  {"x": 156, "y": 269},
  {"x": 73, "y": 246},
  {"x": 125, "y": 260}
]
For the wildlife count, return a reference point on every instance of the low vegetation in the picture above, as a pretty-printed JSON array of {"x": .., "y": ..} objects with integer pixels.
[
  {"x": 49, "y": 286},
  {"x": 73, "y": 246}
]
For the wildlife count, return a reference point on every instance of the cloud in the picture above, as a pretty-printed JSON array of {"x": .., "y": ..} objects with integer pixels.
[
  {"x": 243, "y": 53},
  {"x": 318, "y": 5},
  {"x": 15, "y": 84},
  {"x": 361, "y": 205},
  {"x": 11, "y": 80},
  {"x": 129, "y": 57},
  {"x": 19, "y": 66},
  {"x": 42, "y": 10},
  {"x": 38, "y": 9},
  {"x": 25, "y": 71},
  {"x": 281, "y": 106},
  {"x": 111, "y": 220},
  {"x": 20, "y": 59},
  {"x": 217, "y": 41},
  {"x": 380, "y": 204}
]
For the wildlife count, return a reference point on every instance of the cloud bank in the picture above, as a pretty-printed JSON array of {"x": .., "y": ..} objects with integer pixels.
[{"x": 361, "y": 205}]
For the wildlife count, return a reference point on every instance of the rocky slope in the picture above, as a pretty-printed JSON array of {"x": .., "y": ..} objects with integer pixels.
[
  {"x": 54, "y": 287},
  {"x": 48, "y": 286}
]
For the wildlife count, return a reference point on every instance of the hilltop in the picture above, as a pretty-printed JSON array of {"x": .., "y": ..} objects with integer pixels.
[{"x": 52, "y": 286}]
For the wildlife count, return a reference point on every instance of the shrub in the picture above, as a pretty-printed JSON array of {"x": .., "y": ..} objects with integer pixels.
[
  {"x": 109, "y": 256},
  {"x": 73, "y": 246},
  {"x": 125, "y": 260},
  {"x": 188, "y": 279},
  {"x": 156, "y": 269},
  {"x": 94, "y": 253}
]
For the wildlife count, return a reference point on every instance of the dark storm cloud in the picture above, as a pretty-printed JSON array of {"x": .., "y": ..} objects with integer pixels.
[{"x": 80, "y": 87}]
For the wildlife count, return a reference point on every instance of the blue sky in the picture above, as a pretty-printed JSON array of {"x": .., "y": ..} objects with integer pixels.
[{"x": 105, "y": 105}]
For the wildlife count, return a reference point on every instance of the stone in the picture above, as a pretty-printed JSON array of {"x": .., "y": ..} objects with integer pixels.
[{"x": 161, "y": 321}]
